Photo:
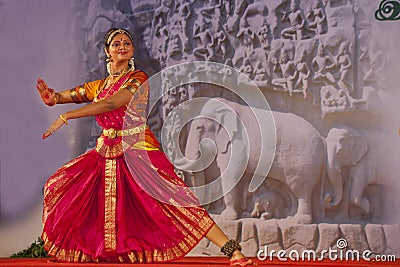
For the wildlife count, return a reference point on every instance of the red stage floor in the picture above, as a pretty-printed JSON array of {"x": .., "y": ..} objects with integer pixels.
[{"x": 196, "y": 262}]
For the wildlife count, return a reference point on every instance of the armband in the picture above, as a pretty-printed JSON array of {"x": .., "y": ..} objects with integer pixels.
[{"x": 78, "y": 95}]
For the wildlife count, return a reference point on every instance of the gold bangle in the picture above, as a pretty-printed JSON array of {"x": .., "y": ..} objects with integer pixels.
[
  {"x": 55, "y": 99},
  {"x": 63, "y": 119}
]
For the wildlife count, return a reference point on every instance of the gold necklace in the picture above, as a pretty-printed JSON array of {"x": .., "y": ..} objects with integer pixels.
[
  {"x": 111, "y": 84},
  {"x": 117, "y": 73}
]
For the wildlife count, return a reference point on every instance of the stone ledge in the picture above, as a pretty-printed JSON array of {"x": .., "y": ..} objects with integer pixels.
[{"x": 255, "y": 234}]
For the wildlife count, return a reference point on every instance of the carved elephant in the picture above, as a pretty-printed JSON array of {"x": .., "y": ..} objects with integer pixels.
[
  {"x": 361, "y": 158},
  {"x": 299, "y": 158}
]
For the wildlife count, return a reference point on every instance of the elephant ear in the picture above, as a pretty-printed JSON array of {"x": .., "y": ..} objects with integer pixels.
[
  {"x": 227, "y": 128},
  {"x": 355, "y": 144}
]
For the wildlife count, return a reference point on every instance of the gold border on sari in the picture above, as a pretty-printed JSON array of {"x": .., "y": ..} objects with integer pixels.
[
  {"x": 110, "y": 194},
  {"x": 64, "y": 254}
]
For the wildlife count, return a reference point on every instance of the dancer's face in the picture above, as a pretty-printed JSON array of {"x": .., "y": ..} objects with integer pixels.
[{"x": 121, "y": 48}]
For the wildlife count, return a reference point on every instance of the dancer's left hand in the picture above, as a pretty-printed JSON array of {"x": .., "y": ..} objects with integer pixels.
[{"x": 53, "y": 128}]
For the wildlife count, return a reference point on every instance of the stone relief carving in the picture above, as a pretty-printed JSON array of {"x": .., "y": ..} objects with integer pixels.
[
  {"x": 216, "y": 28},
  {"x": 273, "y": 200},
  {"x": 360, "y": 162},
  {"x": 303, "y": 74},
  {"x": 286, "y": 71},
  {"x": 297, "y": 22},
  {"x": 317, "y": 18},
  {"x": 322, "y": 65}
]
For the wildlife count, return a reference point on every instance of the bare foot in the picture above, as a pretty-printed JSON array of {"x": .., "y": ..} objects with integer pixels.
[{"x": 238, "y": 259}]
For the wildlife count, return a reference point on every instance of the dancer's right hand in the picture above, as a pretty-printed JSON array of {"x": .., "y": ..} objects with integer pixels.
[{"x": 47, "y": 94}]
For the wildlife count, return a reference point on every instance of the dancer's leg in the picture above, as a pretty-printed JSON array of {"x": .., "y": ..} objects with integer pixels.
[
  {"x": 216, "y": 236},
  {"x": 219, "y": 238}
]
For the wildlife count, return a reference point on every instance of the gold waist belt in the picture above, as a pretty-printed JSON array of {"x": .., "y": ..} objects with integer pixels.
[{"x": 112, "y": 133}]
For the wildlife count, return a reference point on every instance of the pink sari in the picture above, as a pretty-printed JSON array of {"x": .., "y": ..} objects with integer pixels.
[{"x": 95, "y": 207}]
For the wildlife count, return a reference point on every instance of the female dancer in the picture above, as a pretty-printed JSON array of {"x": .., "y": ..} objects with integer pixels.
[{"x": 94, "y": 207}]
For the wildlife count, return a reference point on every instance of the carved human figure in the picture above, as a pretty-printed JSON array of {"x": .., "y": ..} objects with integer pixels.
[
  {"x": 272, "y": 200},
  {"x": 264, "y": 34},
  {"x": 168, "y": 80},
  {"x": 273, "y": 61},
  {"x": 363, "y": 40},
  {"x": 317, "y": 16},
  {"x": 160, "y": 41},
  {"x": 183, "y": 14},
  {"x": 328, "y": 100},
  {"x": 232, "y": 21},
  {"x": 157, "y": 23},
  {"x": 175, "y": 44},
  {"x": 162, "y": 12},
  {"x": 247, "y": 35},
  {"x": 257, "y": 8},
  {"x": 342, "y": 100},
  {"x": 328, "y": 97},
  {"x": 343, "y": 60},
  {"x": 303, "y": 73},
  {"x": 221, "y": 42},
  {"x": 337, "y": 100},
  {"x": 246, "y": 69},
  {"x": 203, "y": 34},
  {"x": 375, "y": 73},
  {"x": 321, "y": 65},
  {"x": 226, "y": 70},
  {"x": 287, "y": 67},
  {"x": 262, "y": 209},
  {"x": 260, "y": 72},
  {"x": 211, "y": 10},
  {"x": 297, "y": 23}
]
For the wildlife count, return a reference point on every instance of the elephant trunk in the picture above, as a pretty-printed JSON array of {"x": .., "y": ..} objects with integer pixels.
[
  {"x": 199, "y": 154},
  {"x": 334, "y": 176},
  {"x": 191, "y": 160}
]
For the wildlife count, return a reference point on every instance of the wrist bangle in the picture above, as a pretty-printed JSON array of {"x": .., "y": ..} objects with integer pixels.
[
  {"x": 55, "y": 99},
  {"x": 63, "y": 119}
]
